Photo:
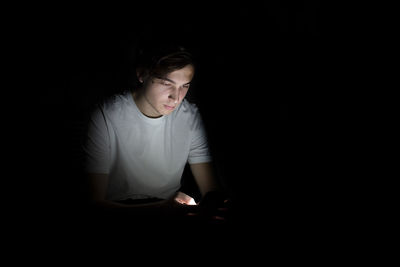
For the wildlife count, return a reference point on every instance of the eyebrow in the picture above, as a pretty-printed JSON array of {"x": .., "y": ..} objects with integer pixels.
[{"x": 165, "y": 78}]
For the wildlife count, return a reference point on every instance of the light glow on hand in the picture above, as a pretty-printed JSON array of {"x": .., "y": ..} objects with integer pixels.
[
  {"x": 191, "y": 202},
  {"x": 184, "y": 199}
]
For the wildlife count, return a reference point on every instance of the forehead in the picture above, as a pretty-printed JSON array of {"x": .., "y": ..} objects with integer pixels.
[{"x": 183, "y": 75}]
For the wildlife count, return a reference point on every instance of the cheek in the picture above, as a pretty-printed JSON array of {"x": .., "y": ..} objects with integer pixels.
[
  {"x": 156, "y": 94},
  {"x": 183, "y": 94}
]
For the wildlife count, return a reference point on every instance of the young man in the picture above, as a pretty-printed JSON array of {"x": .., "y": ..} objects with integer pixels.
[{"x": 139, "y": 141}]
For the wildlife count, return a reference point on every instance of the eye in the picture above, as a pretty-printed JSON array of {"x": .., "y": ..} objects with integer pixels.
[
  {"x": 186, "y": 86},
  {"x": 166, "y": 83}
]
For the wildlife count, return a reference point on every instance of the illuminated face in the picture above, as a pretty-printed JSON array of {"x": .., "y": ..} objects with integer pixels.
[{"x": 161, "y": 95}]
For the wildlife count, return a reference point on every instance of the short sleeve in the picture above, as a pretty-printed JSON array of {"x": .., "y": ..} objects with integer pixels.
[
  {"x": 199, "y": 149},
  {"x": 97, "y": 144}
]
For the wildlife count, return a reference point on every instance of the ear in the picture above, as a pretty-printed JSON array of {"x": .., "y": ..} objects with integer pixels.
[{"x": 139, "y": 75}]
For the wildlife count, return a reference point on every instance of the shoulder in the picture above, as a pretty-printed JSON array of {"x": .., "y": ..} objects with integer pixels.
[
  {"x": 112, "y": 109},
  {"x": 189, "y": 114},
  {"x": 116, "y": 103},
  {"x": 188, "y": 108}
]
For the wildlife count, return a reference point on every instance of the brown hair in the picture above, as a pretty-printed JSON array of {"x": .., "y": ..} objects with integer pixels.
[{"x": 161, "y": 60}]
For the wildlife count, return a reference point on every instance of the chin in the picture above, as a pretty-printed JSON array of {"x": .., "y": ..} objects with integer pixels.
[{"x": 167, "y": 112}]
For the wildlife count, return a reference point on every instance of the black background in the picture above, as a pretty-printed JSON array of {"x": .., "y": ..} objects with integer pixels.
[{"x": 258, "y": 66}]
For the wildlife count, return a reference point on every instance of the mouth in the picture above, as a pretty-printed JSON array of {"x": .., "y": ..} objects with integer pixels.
[{"x": 169, "y": 107}]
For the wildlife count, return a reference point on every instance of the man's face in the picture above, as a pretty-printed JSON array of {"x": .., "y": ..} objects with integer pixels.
[{"x": 164, "y": 94}]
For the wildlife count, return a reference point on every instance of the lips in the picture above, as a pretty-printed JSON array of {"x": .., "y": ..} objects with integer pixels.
[{"x": 169, "y": 107}]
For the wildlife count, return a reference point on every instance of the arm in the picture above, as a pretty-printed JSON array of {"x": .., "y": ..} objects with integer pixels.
[
  {"x": 97, "y": 197},
  {"x": 202, "y": 172},
  {"x": 204, "y": 176},
  {"x": 213, "y": 197}
]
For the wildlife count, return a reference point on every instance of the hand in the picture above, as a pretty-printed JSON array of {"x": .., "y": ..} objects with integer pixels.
[
  {"x": 216, "y": 205},
  {"x": 214, "y": 199},
  {"x": 180, "y": 205},
  {"x": 184, "y": 199}
]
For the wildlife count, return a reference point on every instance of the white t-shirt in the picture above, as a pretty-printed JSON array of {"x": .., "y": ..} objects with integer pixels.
[{"x": 144, "y": 157}]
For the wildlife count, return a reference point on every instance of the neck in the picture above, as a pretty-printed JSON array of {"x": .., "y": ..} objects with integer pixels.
[{"x": 144, "y": 105}]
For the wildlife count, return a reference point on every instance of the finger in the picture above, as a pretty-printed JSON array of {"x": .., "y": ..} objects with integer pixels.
[
  {"x": 190, "y": 201},
  {"x": 184, "y": 199}
]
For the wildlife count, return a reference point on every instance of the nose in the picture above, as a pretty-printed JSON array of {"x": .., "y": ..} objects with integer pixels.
[{"x": 174, "y": 95}]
